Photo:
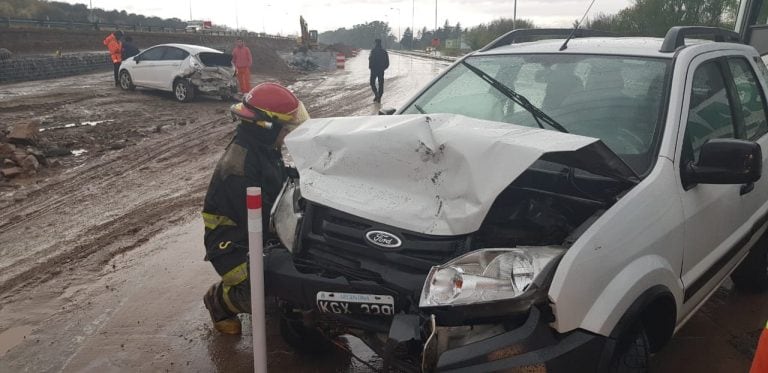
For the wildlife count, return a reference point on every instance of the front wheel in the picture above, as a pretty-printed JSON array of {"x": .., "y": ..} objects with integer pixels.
[
  {"x": 632, "y": 352},
  {"x": 126, "y": 83},
  {"x": 183, "y": 90}
]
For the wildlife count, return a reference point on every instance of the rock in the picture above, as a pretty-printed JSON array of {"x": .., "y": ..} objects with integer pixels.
[
  {"x": 56, "y": 152},
  {"x": 8, "y": 163},
  {"x": 5, "y": 54},
  {"x": 30, "y": 163},
  {"x": 24, "y": 133},
  {"x": 7, "y": 150},
  {"x": 117, "y": 145},
  {"x": 38, "y": 154},
  {"x": 11, "y": 172}
]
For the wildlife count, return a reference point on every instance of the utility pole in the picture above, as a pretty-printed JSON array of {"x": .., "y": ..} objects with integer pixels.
[
  {"x": 399, "y": 35},
  {"x": 413, "y": 15},
  {"x": 514, "y": 16},
  {"x": 237, "y": 22},
  {"x": 190, "y": 10}
]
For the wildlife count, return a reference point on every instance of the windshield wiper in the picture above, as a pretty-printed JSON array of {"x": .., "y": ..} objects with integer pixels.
[
  {"x": 419, "y": 109},
  {"x": 519, "y": 99}
]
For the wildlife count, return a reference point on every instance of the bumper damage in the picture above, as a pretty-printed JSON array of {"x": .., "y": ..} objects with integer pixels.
[
  {"x": 213, "y": 80},
  {"x": 412, "y": 340}
]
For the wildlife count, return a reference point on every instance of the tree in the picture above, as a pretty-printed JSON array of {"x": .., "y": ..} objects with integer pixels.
[
  {"x": 407, "y": 39},
  {"x": 480, "y": 35},
  {"x": 655, "y": 17}
]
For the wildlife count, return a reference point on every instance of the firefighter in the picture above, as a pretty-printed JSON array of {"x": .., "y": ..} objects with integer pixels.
[
  {"x": 113, "y": 42},
  {"x": 252, "y": 159}
]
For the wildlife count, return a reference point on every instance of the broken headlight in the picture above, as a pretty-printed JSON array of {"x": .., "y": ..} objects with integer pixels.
[
  {"x": 487, "y": 275},
  {"x": 286, "y": 215}
]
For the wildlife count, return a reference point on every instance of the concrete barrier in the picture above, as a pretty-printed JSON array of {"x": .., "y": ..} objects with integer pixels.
[{"x": 21, "y": 69}]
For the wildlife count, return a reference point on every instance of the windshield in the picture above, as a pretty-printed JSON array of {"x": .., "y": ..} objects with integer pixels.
[{"x": 616, "y": 99}]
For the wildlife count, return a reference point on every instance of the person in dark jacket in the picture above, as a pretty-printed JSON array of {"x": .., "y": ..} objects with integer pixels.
[
  {"x": 378, "y": 61},
  {"x": 129, "y": 49},
  {"x": 252, "y": 159}
]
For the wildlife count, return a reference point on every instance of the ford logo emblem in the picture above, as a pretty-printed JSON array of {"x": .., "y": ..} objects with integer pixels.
[{"x": 383, "y": 239}]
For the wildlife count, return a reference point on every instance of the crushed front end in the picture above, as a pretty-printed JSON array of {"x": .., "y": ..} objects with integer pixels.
[{"x": 430, "y": 270}]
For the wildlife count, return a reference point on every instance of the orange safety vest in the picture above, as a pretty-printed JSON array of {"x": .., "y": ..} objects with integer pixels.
[
  {"x": 760, "y": 361},
  {"x": 115, "y": 48}
]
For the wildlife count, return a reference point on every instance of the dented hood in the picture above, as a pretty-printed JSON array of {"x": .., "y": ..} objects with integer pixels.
[{"x": 436, "y": 174}]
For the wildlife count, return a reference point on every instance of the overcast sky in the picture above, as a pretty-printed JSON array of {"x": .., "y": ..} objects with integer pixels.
[{"x": 281, "y": 16}]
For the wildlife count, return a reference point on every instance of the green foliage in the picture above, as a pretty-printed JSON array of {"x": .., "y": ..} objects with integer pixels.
[
  {"x": 360, "y": 35},
  {"x": 58, "y": 11},
  {"x": 479, "y": 36},
  {"x": 655, "y": 17}
]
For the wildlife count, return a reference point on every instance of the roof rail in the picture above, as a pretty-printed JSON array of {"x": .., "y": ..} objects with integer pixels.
[
  {"x": 675, "y": 37},
  {"x": 525, "y": 35}
]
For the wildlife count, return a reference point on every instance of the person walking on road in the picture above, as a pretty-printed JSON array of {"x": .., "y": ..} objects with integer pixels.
[
  {"x": 378, "y": 61},
  {"x": 113, "y": 43},
  {"x": 252, "y": 159},
  {"x": 242, "y": 60},
  {"x": 129, "y": 49}
]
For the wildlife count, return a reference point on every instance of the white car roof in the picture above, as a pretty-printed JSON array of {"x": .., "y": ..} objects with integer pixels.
[
  {"x": 625, "y": 46},
  {"x": 192, "y": 49}
]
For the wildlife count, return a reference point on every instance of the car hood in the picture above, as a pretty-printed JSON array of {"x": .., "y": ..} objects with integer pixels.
[{"x": 435, "y": 174}]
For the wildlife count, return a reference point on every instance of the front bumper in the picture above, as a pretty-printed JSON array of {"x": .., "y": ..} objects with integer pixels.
[{"x": 530, "y": 346}]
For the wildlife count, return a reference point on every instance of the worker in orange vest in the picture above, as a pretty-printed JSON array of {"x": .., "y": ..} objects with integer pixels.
[
  {"x": 115, "y": 46},
  {"x": 242, "y": 60}
]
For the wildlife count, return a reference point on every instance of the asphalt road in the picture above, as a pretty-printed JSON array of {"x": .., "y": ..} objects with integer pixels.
[{"x": 139, "y": 308}]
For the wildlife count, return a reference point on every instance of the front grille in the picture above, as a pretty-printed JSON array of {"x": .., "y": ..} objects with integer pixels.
[{"x": 330, "y": 232}]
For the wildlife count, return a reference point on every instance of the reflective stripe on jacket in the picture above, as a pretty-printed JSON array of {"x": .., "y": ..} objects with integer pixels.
[{"x": 115, "y": 48}]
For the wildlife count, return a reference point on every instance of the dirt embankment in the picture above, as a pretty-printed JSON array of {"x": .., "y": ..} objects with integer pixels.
[{"x": 47, "y": 41}]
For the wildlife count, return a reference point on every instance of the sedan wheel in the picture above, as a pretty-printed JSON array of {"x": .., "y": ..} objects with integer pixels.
[
  {"x": 126, "y": 82},
  {"x": 183, "y": 90}
]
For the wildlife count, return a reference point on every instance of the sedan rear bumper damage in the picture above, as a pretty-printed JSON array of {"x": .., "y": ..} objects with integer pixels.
[{"x": 412, "y": 341}]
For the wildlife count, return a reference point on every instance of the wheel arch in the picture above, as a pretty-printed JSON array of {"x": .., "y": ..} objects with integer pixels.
[{"x": 656, "y": 309}]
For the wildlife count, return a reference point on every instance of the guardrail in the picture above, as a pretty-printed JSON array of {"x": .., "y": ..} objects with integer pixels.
[{"x": 71, "y": 25}]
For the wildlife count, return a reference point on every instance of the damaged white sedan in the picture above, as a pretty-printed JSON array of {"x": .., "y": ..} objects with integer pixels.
[
  {"x": 537, "y": 208},
  {"x": 183, "y": 69}
]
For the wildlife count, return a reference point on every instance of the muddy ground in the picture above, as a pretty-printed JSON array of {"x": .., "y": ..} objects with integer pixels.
[{"x": 102, "y": 264}]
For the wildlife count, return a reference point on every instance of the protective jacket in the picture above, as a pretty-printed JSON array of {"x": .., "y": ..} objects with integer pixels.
[
  {"x": 129, "y": 50},
  {"x": 250, "y": 160},
  {"x": 378, "y": 60},
  {"x": 115, "y": 48}
]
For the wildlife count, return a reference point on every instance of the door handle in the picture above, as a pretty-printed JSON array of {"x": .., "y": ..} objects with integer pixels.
[{"x": 746, "y": 188}]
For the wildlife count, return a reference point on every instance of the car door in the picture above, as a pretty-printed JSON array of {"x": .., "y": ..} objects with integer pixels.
[
  {"x": 712, "y": 212},
  {"x": 144, "y": 65},
  {"x": 750, "y": 94},
  {"x": 169, "y": 67}
]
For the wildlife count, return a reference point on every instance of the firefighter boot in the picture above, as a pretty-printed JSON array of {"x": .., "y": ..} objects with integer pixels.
[{"x": 224, "y": 321}]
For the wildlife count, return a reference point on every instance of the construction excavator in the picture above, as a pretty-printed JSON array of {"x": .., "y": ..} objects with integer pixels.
[{"x": 308, "y": 38}]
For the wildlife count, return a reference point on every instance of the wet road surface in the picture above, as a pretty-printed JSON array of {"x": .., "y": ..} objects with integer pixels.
[{"x": 128, "y": 299}]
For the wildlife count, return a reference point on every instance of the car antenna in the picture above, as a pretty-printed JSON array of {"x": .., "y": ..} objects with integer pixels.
[{"x": 576, "y": 27}]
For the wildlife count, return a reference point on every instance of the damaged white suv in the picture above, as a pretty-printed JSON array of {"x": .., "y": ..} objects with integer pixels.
[
  {"x": 182, "y": 69},
  {"x": 535, "y": 208}
]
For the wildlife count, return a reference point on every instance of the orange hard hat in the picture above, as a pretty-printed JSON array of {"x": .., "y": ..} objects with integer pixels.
[{"x": 273, "y": 103}]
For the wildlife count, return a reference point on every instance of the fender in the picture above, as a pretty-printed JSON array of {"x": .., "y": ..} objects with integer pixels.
[{"x": 619, "y": 297}]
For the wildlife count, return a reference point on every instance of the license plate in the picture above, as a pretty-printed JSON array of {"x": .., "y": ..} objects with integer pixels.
[{"x": 350, "y": 304}]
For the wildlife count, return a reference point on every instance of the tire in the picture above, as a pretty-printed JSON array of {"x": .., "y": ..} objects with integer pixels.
[
  {"x": 752, "y": 274},
  {"x": 126, "y": 82},
  {"x": 632, "y": 352},
  {"x": 183, "y": 90},
  {"x": 304, "y": 340}
]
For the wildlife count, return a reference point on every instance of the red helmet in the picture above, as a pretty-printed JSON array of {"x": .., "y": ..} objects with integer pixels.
[{"x": 271, "y": 102}]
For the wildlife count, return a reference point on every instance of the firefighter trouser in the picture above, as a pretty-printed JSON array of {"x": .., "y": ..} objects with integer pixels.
[
  {"x": 231, "y": 295},
  {"x": 244, "y": 79},
  {"x": 229, "y": 256}
]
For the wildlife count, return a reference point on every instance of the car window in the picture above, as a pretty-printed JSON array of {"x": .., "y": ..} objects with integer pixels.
[
  {"x": 709, "y": 112},
  {"x": 153, "y": 54},
  {"x": 750, "y": 96},
  {"x": 174, "y": 54},
  {"x": 616, "y": 99}
]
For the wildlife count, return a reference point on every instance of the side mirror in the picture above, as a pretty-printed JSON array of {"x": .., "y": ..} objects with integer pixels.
[
  {"x": 387, "y": 111},
  {"x": 726, "y": 161},
  {"x": 137, "y": 59}
]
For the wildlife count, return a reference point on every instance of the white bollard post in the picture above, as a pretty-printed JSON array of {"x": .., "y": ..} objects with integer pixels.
[{"x": 256, "y": 254}]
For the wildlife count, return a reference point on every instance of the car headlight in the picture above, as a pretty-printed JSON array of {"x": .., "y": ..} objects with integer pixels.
[
  {"x": 286, "y": 215},
  {"x": 487, "y": 275}
]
